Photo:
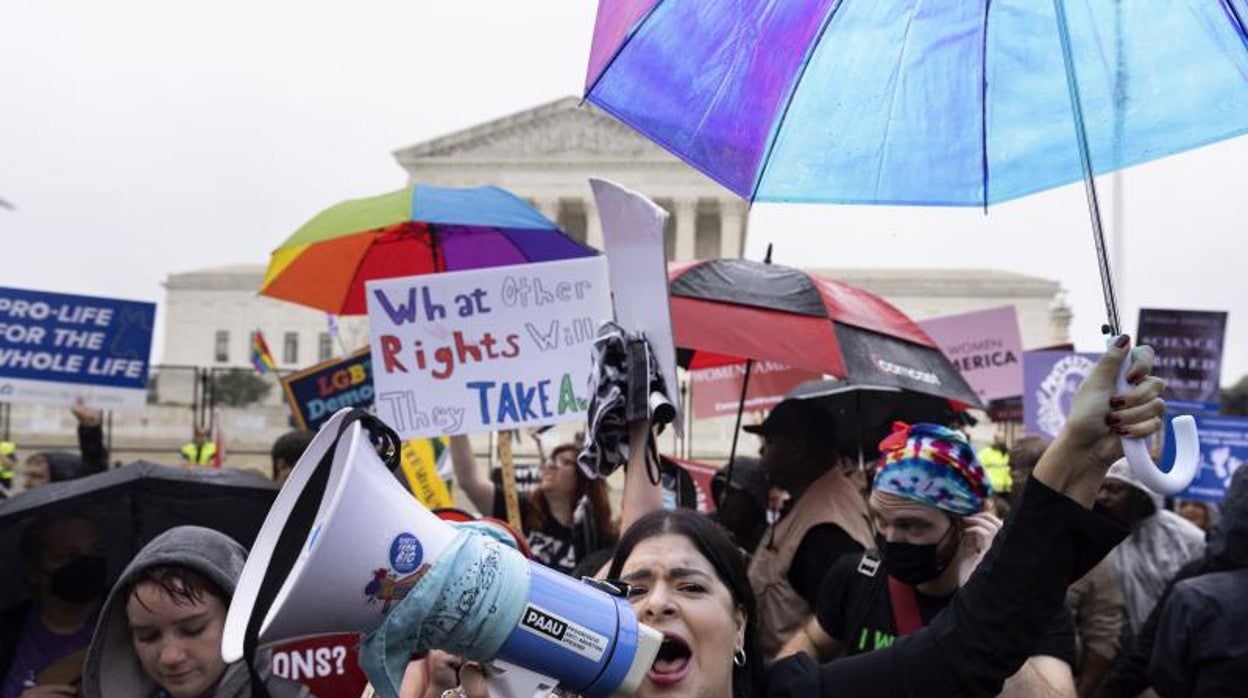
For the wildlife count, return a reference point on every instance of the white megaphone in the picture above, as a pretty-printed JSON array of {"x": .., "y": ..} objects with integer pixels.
[{"x": 344, "y": 541}]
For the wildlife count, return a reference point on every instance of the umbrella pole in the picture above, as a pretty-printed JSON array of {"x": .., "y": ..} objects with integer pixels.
[
  {"x": 736, "y": 432},
  {"x": 858, "y": 409},
  {"x": 686, "y": 394},
  {"x": 1113, "y": 328}
]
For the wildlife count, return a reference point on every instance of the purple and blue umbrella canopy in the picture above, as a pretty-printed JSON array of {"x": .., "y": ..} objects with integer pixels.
[{"x": 925, "y": 102}]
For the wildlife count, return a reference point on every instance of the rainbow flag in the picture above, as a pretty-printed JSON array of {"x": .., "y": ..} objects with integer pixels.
[{"x": 261, "y": 358}]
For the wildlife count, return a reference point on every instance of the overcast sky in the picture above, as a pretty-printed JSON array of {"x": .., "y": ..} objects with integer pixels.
[{"x": 139, "y": 139}]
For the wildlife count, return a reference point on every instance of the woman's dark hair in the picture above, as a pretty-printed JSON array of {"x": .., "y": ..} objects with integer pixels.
[
  {"x": 715, "y": 544},
  {"x": 289, "y": 447},
  {"x": 186, "y": 586},
  {"x": 595, "y": 490}
]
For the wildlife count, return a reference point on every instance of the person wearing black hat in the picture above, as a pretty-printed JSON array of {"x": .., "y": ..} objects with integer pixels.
[
  {"x": 826, "y": 518},
  {"x": 742, "y": 501}
]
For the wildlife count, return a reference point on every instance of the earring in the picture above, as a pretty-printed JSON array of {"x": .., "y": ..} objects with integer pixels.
[{"x": 738, "y": 656}]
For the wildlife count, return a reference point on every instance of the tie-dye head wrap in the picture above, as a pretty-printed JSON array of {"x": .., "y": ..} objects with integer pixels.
[{"x": 932, "y": 465}]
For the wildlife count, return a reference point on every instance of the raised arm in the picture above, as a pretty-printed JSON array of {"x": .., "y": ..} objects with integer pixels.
[
  {"x": 90, "y": 436},
  {"x": 641, "y": 494},
  {"x": 480, "y": 490},
  {"x": 1075, "y": 463}
]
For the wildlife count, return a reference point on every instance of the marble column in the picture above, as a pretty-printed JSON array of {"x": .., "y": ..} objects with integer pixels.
[
  {"x": 686, "y": 229},
  {"x": 593, "y": 225},
  {"x": 731, "y": 228}
]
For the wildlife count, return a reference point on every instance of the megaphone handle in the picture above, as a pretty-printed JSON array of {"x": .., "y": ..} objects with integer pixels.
[
  {"x": 1186, "y": 450},
  {"x": 507, "y": 680}
]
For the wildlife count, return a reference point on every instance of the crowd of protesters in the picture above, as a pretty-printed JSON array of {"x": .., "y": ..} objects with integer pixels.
[{"x": 814, "y": 577}]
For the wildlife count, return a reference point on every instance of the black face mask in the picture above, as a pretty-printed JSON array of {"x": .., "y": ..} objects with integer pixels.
[
  {"x": 914, "y": 564},
  {"x": 80, "y": 580}
]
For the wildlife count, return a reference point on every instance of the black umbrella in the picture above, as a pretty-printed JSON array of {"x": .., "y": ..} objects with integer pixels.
[
  {"x": 132, "y": 505},
  {"x": 862, "y": 415}
]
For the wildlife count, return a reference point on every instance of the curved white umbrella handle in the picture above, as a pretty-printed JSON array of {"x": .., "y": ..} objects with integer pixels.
[{"x": 1182, "y": 470}]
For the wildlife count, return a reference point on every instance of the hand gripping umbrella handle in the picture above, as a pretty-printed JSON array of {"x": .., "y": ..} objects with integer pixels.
[{"x": 1182, "y": 432}]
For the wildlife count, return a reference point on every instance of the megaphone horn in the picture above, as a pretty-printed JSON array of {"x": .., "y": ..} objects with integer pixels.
[{"x": 344, "y": 544}]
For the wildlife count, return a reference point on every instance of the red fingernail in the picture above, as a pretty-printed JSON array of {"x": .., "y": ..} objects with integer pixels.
[
  {"x": 1121, "y": 430},
  {"x": 1111, "y": 420},
  {"x": 1135, "y": 378},
  {"x": 1117, "y": 402},
  {"x": 1123, "y": 341}
]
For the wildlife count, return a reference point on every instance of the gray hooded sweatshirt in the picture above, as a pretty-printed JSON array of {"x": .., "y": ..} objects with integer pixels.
[{"x": 113, "y": 670}]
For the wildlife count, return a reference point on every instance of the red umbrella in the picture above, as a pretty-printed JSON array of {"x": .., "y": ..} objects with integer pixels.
[{"x": 728, "y": 311}]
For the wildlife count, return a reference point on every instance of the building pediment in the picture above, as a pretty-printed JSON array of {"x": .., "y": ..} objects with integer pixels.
[{"x": 563, "y": 129}]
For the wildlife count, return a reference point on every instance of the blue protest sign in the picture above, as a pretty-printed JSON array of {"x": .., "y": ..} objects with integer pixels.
[
  {"x": 1223, "y": 449},
  {"x": 316, "y": 393},
  {"x": 56, "y": 347}
]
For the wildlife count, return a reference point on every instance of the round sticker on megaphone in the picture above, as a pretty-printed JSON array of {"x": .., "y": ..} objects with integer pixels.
[{"x": 389, "y": 585}]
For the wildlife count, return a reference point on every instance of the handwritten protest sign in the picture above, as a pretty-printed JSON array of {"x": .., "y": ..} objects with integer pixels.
[
  {"x": 56, "y": 347},
  {"x": 317, "y": 392},
  {"x": 486, "y": 349}
]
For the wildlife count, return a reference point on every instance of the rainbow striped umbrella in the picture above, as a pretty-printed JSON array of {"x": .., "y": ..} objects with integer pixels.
[{"x": 419, "y": 229}]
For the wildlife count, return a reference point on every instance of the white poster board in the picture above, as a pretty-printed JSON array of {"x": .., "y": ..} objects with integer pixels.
[
  {"x": 632, "y": 234},
  {"x": 487, "y": 349}
]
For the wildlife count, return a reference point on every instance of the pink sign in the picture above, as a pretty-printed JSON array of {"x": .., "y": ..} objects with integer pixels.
[
  {"x": 716, "y": 392},
  {"x": 986, "y": 347}
]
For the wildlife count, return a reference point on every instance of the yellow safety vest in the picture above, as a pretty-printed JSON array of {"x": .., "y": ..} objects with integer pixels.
[
  {"x": 199, "y": 455},
  {"x": 997, "y": 464},
  {"x": 7, "y": 449}
]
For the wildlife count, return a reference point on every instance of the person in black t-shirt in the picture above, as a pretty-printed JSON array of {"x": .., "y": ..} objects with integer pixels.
[
  {"x": 927, "y": 509},
  {"x": 566, "y": 518}
]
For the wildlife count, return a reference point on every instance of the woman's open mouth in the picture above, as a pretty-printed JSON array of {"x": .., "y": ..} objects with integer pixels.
[{"x": 672, "y": 662}]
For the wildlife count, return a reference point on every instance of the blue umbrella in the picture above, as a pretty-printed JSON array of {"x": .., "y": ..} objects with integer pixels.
[
  {"x": 923, "y": 102},
  {"x": 920, "y": 102}
]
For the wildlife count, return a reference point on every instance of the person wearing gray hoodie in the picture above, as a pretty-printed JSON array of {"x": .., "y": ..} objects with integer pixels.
[{"x": 159, "y": 634}]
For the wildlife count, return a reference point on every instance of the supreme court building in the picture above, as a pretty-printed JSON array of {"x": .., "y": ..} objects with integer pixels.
[{"x": 546, "y": 155}]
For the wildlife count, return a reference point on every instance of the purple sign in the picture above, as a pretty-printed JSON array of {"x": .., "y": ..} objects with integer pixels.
[
  {"x": 1223, "y": 449},
  {"x": 987, "y": 348},
  {"x": 1050, "y": 379},
  {"x": 1189, "y": 354}
]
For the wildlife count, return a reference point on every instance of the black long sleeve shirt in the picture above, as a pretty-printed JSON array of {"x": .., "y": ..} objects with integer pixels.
[{"x": 991, "y": 625}]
